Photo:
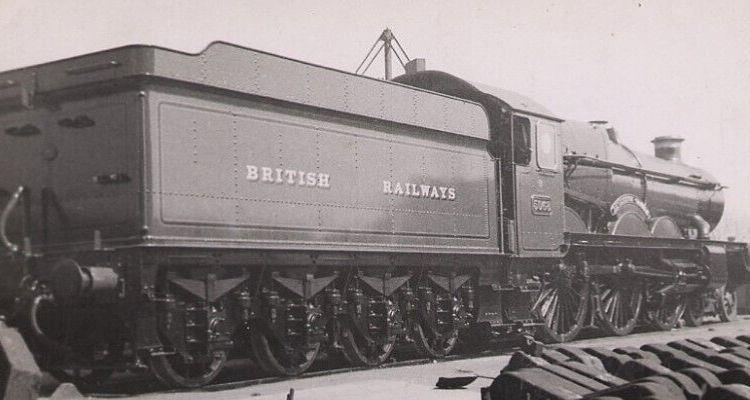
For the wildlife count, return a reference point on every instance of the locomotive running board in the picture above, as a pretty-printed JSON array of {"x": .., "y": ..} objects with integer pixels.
[{"x": 637, "y": 242}]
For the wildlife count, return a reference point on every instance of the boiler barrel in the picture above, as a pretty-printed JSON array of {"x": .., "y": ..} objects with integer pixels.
[{"x": 697, "y": 193}]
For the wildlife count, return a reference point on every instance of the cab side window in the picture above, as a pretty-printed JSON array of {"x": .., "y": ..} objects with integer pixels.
[
  {"x": 546, "y": 147},
  {"x": 521, "y": 140}
]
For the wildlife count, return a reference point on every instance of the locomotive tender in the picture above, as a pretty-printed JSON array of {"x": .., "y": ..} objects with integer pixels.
[{"x": 168, "y": 210}]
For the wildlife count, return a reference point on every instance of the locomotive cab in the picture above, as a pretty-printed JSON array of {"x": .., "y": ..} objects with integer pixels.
[
  {"x": 537, "y": 187},
  {"x": 525, "y": 138}
]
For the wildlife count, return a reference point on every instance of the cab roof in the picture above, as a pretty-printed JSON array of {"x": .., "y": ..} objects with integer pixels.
[{"x": 518, "y": 102}]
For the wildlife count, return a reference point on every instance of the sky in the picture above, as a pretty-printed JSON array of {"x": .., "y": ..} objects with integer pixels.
[{"x": 651, "y": 68}]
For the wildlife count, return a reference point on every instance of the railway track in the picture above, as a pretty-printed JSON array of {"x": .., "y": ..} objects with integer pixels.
[
  {"x": 342, "y": 370},
  {"x": 240, "y": 373}
]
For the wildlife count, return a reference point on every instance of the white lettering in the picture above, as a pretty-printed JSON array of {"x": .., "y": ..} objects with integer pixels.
[
  {"x": 425, "y": 189},
  {"x": 415, "y": 192},
  {"x": 293, "y": 177},
  {"x": 387, "y": 187},
  {"x": 290, "y": 174},
  {"x": 252, "y": 173},
  {"x": 311, "y": 179},
  {"x": 323, "y": 180},
  {"x": 267, "y": 172},
  {"x": 398, "y": 190},
  {"x": 279, "y": 171}
]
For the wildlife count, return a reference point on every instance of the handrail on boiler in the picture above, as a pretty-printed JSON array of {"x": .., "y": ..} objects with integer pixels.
[
  {"x": 15, "y": 198},
  {"x": 573, "y": 160}
]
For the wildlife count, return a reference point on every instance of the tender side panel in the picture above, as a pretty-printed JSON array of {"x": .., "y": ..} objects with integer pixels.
[
  {"x": 289, "y": 176},
  {"x": 80, "y": 163}
]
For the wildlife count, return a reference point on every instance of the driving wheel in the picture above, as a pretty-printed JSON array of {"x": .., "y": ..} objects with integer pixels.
[
  {"x": 618, "y": 306},
  {"x": 727, "y": 304},
  {"x": 665, "y": 317},
  {"x": 562, "y": 305},
  {"x": 694, "y": 307}
]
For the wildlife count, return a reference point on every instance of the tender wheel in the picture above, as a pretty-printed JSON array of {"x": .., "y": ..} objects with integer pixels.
[
  {"x": 618, "y": 306},
  {"x": 666, "y": 316},
  {"x": 282, "y": 359},
  {"x": 258, "y": 359},
  {"x": 175, "y": 371},
  {"x": 435, "y": 332},
  {"x": 364, "y": 351},
  {"x": 562, "y": 305},
  {"x": 727, "y": 305},
  {"x": 196, "y": 333},
  {"x": 694, "y": 307},
  {"x": 366, "y": 334},
  {"x": 433, "y": 345},
  {"x": 287, "y": 335}
]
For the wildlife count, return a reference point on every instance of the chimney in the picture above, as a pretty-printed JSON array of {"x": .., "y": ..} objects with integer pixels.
[
  {"x": 415, "y": 65},
  {"x": 668, "y": 148}
]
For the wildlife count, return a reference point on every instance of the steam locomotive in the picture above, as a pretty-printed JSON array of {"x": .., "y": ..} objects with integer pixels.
[{"x": 169, "y": 211}]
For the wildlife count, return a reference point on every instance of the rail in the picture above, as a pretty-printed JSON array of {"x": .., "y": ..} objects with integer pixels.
[{"x": 15, "y": 198}]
